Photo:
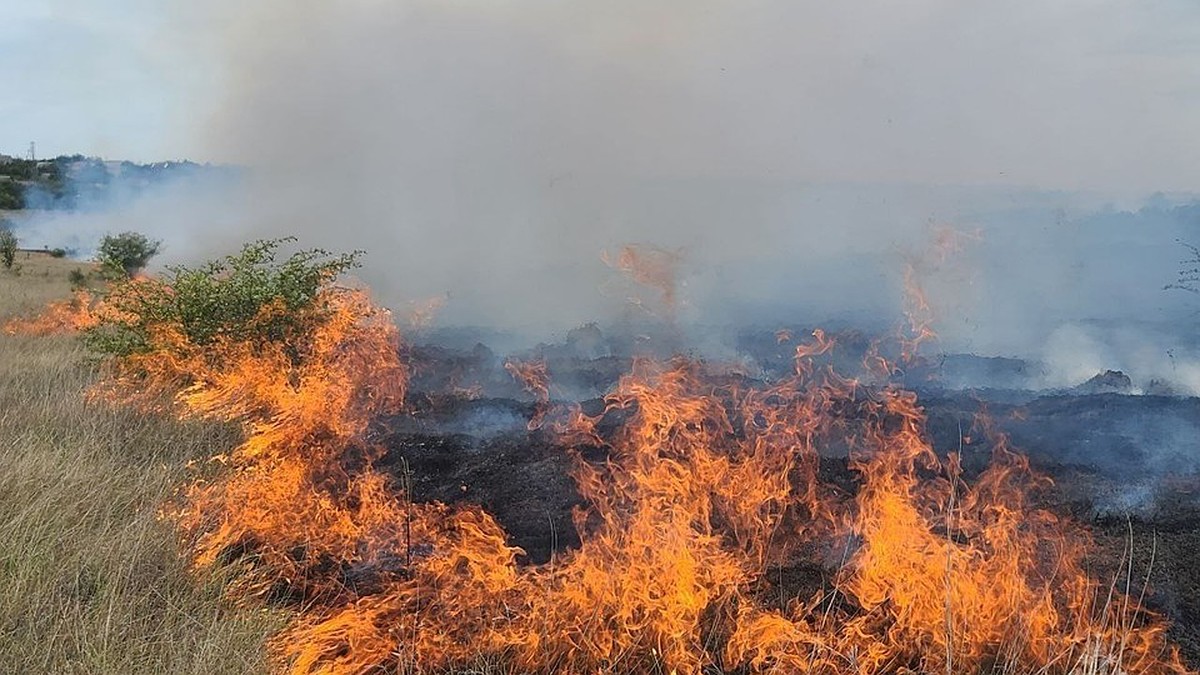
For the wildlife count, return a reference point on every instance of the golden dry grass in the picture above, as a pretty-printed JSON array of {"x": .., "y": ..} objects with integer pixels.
[{"x": 90, "y": 578}]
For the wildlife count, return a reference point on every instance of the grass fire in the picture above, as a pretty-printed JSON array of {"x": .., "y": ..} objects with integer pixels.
[
  {"x": 620, "y": 337},
  {"x": 810, "y": 520}
]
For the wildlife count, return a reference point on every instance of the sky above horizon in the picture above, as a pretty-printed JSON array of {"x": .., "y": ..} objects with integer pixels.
[{"x": 1075, "y": 94}]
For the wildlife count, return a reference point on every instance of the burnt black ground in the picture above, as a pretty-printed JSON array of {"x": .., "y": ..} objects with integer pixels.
[
  {"x": 480, "y": 452},
  {"x": 1123, "y": 466}
]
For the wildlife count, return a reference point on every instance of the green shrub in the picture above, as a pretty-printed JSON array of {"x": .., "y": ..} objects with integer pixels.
[
  {"x": 127, "y": 253},
  {"x": 12, "y": 196},
  {"x": 78, "y": 278},
  {"x": 8, "y": 246},
  {"x": 58, "y": 253},
  {"x": 249, "y": 297}
]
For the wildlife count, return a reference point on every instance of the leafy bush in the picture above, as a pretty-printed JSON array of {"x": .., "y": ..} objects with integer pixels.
[
  {"x": 12, "y": 196},
  {"x": 58, "y": 253},
  {"x": 78, "y": 278},
  {"x": 249, "y": 297},
  {"x": 8, "y": 246},
  {"x": 127, "y": 253}
]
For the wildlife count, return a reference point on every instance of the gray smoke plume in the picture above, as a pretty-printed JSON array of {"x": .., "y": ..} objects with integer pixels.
[
  {"x": 492, "y": 153},
  {"x": 795, "y": 153}
]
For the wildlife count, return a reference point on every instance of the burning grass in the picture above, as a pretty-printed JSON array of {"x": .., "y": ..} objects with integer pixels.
[{"x": 706, "y": 483}]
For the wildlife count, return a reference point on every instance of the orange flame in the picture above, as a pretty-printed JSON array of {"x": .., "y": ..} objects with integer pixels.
[
  {"x": 708, "y": 485},
  {"x": 535, "y": 378},
  {"x": 649, "y": 266},
  {"x": 62, "y": 317},
  {"x": 532, "y": 375},
  {"x": 422, "y": 313},
  {"x": 301, "y": 494},
  {"x": 705, "y": 488}
]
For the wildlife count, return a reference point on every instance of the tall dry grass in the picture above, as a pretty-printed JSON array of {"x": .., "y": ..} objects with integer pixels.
[{"x": 90, "y": 578}]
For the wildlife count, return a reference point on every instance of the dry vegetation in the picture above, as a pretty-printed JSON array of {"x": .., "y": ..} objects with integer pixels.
[{"x": 90, "y": 578}]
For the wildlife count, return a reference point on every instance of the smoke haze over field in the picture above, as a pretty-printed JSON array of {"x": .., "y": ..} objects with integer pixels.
[
  {"x": 491, "y": 151},
  {"x": 494, "y": 151},
  {"x": 1077, "y": 94}
]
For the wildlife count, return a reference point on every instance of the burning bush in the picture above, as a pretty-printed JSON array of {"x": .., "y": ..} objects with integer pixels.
[
  {"x": 248, "y": 298},
  {"x": 301, "y": 363}
]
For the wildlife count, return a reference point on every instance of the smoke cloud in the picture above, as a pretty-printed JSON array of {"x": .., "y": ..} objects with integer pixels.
[
  {"x": 179, "y": 206},
  {"x": 797, "y": 154}
]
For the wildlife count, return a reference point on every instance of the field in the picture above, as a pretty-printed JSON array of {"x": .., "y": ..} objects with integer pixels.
[{"x": 90, "y": 578}]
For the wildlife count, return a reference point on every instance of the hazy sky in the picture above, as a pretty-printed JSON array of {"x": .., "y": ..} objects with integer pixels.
[
  {"x": 1068, "y": 93},
  {"x": 116, "y": 78}
]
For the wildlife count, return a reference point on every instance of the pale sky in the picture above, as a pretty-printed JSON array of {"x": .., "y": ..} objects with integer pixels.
[{"x": 1092, "y": 94}]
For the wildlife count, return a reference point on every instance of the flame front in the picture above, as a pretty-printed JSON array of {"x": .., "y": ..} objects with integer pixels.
[
  {"x": 708, "y": 484},
  {"x": 61, "y": 317}
]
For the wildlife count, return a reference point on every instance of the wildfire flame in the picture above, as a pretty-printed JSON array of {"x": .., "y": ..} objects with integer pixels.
[
  {"x": 535, "y": 379},
  {"x": 422, "y": 313},
  {"x": 59, "y": 318},
  {"x": 300, "y": 496},
  {"x": 708, "y": 485},
  {"x": 649, "y": 266}
]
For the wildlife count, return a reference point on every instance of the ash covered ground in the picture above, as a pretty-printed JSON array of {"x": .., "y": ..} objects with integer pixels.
[{"x": 1124, "y": 459}]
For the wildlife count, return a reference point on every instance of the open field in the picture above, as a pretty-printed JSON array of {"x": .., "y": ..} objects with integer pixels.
[{"x": 90, "y": 578}]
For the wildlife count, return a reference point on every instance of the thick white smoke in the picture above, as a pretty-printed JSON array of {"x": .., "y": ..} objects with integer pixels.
[{"x": 796, "y": 152}]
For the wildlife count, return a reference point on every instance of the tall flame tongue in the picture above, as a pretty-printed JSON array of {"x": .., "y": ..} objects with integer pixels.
[
  {"x": 706, "y": 485},
  {"x": 678, "y": 524}
]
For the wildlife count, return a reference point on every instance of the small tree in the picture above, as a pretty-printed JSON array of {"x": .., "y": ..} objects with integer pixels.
[
  {"x": 8, "y": 246},
  {"x": 127, "y": 253},
  {"x": 78, "y": 278}
]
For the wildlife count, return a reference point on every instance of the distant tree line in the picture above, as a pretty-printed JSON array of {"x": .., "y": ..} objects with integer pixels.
[
  {"x": 74, "y": 181},
  {"x": 22, "y": 178}
]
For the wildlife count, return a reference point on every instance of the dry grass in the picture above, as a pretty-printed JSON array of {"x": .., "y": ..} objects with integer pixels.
[
  {"x": 90, "y": 578},
  {"x": 36, "y": 279}
]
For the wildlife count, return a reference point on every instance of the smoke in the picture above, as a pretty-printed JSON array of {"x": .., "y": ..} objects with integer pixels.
[
  {"x": 492, "y": 153},
  {"x": 1157, "y": 361},
  {"x": 176, "y": 204},
  {"x": 798, "y": 155}
]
